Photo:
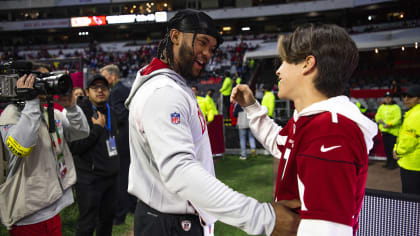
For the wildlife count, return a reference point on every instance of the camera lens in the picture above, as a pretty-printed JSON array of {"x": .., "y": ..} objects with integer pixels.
[{"x": 64, "y": 85}]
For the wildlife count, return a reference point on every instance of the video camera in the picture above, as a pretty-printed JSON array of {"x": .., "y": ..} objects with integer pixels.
[{"x": 52, "y": 83}]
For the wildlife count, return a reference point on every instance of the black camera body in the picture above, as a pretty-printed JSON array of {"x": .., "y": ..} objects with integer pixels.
[{"x": 52, "y": 83}]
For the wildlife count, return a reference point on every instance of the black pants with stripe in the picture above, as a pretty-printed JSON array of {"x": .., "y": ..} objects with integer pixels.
[{"x": 148, "y": 221}]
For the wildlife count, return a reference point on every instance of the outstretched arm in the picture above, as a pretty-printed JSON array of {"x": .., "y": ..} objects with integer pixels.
[
  {"x": 263, "y": 127},
  {"x": 243, "y": 95}
]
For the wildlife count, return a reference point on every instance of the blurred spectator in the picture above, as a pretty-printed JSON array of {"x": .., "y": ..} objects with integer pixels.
[
  {"x": 119, "y": 93},
  {"x": 244, "y": 131},
  {"x": 395, "y": 88},
  {"x": 360, "y": 103},
  {"x": 269, "y": 100},
  {"x": 201, "y": 101},
  {"x": 259, "y": 92},
  {"x": 388, "y": 117},
  {"x": 77, "y": 92},
  {"x": 225, "y": 90},
  {"x": 238, "y": 79},
  {"x": 212, "y": 109}
]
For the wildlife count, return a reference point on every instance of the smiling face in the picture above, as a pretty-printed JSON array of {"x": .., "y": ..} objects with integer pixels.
[
  {"x": 190, "y": 60},
  {"x": 289, "y": 75},
  {"x": 98, "y": 93}
]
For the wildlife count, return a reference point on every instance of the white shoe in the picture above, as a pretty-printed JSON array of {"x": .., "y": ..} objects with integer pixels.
[{"x": 242, "y": 158}]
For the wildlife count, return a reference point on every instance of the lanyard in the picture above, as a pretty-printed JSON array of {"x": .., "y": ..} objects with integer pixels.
[
  {"x": 56, "y": 146},
  {"x": 108, "y": 118}
]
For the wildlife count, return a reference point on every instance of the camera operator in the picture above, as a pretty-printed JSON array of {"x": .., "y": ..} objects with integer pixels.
[{"x": 40, "y": 171}]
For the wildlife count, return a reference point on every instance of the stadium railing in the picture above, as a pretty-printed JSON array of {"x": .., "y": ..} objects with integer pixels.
[{"x": 389, "y": 213}]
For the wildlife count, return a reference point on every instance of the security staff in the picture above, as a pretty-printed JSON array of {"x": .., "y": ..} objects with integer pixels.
[
  {"x": 388, "y": 117},
  {"x": 407, "y": 148}
]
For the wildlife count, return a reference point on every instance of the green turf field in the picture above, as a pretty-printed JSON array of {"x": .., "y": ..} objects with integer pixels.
[{"x": 252, "y": 177}]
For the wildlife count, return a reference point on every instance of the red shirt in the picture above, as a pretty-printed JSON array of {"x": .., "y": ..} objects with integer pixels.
[
  {"x": 155, "y": 64},
  {"x": 327, "y": 162}
]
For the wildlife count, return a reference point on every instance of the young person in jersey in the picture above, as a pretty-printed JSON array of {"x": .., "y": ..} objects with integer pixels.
[
  {"x": 171, "y": 170},
  {"x": 323, "y": 149}
]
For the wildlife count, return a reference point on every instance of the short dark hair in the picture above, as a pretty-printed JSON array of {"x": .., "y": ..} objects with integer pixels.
[{"x": 335, "y": 52}]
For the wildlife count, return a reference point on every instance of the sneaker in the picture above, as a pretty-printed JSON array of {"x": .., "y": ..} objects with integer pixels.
[
  {"x": 253, "y": 152},
  {"x": 242, "y": 158}
]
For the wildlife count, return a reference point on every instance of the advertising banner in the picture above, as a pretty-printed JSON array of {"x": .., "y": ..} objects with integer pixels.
[{"x": 88, "y": 21}]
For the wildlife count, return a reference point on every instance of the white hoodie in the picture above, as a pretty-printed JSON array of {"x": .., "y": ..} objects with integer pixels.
[{"x": 171, "y": 160}]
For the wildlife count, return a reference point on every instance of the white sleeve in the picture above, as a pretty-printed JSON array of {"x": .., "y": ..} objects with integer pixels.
[
  {"x": 25, "y": 131},
  {"x": 264, "y": 128},
  {"x": 323, "y": 227},
  {"x": 75, "y": 124},
  {"x": 173, "y": 152}
]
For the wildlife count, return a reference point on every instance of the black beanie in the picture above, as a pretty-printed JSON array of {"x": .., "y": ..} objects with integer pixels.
[{"x": 192, "y": 21}]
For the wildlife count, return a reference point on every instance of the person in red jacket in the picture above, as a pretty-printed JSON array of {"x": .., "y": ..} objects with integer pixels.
[{"x": 323, "y": 149}]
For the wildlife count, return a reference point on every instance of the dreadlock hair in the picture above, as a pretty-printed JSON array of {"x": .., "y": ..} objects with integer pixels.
[{"x": 164, "y": 51}]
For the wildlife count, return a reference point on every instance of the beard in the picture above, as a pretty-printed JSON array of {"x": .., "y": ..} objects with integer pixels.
[{"x": 186, "y": 64}]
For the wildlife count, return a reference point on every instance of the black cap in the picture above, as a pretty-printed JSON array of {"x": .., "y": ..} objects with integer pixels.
[
  {"x": 95, "y": 78},
  {"x": 388, "y": 94},
  {"x": 192, "y": 21},
  {"x": 413, "y": 91}
]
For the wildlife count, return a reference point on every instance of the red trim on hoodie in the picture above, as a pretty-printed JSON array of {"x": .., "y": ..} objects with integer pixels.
[{"x": 155, "y": 64}]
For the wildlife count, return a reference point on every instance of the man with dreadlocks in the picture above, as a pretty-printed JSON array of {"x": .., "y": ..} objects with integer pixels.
[{"x": 171, "y": 170}]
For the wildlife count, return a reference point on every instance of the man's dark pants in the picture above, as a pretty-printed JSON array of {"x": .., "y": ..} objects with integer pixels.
[
  {"x": 410, "y": 181},
  {"x": 148, "y": 221},
  {"x": 96, "y": 201},
  {"x": 389, "y": 142}
]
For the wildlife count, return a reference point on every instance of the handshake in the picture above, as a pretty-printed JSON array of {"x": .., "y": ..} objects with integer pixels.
[{"x": 287, "y": 219}]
